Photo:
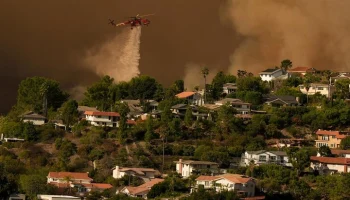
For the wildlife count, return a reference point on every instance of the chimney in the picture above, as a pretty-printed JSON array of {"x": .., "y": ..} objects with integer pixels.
[
  {"x": 180, "y": 166},
  {"x": 116, "y": 172}
]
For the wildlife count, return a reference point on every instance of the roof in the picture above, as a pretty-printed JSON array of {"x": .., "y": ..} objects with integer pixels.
[
  {"x": 278, "y": 153},
  {"x": 331, "y": 160},
  {"x": 97, "y": 113},
  {"x": 130, "y": 122},
  {"x": 212, "y": 106},
  {"x": 301, "y": 69},
  {"x": 97, "y": 185},
  {"x": 339, "y": 151},
  {"x": 73, "y": 175},
  {"x": 270, "y": 71},
  {"x": 230, "y": 85},
  {"x": 32, "y": 115},
  {"x": 194, "y": 162},
  {"x": 139, "y": 171},
  {"x": 337, "y": 134},
  {"x": 235, "y": 178},
  {"x": 134, "y": 105},
  {"x": 229, "y": 100},
  {"x": 179, "y": 106},
  {"x": 287, "y": 99},
  {"x": 184, "y": 94},
  {"x": 144, "y": 187}
]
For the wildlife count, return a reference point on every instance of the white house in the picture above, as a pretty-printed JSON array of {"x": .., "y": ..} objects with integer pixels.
[
  {"x": 193, "y": 98},
  {"x": 324, "y": 89},
  {"x": 34, "y": 118},
  {"x": 239, "y": 105},
  {"x": 110, "y": 119},
  {"x": 330, "y": 164},
  {"x": 145, "y": 173},
  {"x": 272, "y": 74},
  {"x": 265, "y": 157},
  {"x": 17, "y": 197},
  {"x": 186, "y": 167},
  {"x": 239, "y": 183},
  {"x": 140, "y": 191},
  {"x": 229, "y": 88}
]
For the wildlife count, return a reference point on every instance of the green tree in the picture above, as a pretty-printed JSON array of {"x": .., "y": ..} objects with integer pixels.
[
  {"x": 300, "y": 159},
  {"x": 150, "y": 129},
  {"x": 69, "y": 112},
  {"x": 325, "y": 151},
  {"x": 217, "y": 84},
  {"x": 205, "y": 73},
  {"x": 343, "y": 88},
  {"x": 286, "y": 64},
  {"x": 189, "y": 116},
  {"x": 29, "y": 90},
  {"x": 33, "y": 184},
  {"x": 123, "y": 110},
  {"x": 143, "y": 87},
  {"x": 299, "y": 189},
  {"x": 100, "y": 94},
  {"x": 345, "y": 143}
]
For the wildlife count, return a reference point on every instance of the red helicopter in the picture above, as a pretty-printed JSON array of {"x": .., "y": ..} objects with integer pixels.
[{"x": 133, "y": 21}]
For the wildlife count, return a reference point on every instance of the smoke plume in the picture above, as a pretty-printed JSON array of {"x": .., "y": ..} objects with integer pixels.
[
  {"x": 311, "y": 33},
  {"x": 119, "y": 57},
  {"x": 193, "y": 76}
]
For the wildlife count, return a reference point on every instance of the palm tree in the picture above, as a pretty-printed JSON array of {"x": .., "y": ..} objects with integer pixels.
[
  {"x": 43, "y": 93},
  {"x": 205, "y": 72},
  {"x": 286, "y": 64},
  {"x": 68, "y": 179}
]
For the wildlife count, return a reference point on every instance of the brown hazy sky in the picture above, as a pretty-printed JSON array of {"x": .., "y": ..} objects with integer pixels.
[{"x": 50, "y": 38}]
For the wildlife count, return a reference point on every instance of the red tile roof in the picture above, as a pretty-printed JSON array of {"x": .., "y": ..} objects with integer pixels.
[
  {"x": 184, "y": 94},
  {"x": 97, "y": 113},
  {"x": 131, "y": 122},
  {"x": 144, "y": 187},
  {"x": 339, "y": 151},
  {"x": 72, "y": 175},
  {"x": 235, "y": 178},
  {"x": 206, "y": 178},
  {"x": 97, "y": 185},
  {"x": 331, "y": 160},
  {"x": 333, "y": 133},
  {"x": 300, "y": 69}
]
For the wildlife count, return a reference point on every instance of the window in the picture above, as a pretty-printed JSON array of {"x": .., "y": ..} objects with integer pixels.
[
  {"x": 206, "y": 183},
  {"x": 333, "y": 136},
  {"x": 320, "y": 88},
  {"x": 273, "y": 158},
  {"x": 262, "y": 158}
]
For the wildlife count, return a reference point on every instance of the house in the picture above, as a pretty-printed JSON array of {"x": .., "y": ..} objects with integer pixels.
[
  {"x": 140, "y": 191},
  {"x": 330, "y": 164},
  {"x": 63, "y": 179},
  {"x": 341, "y": 153},
  {"x": 277, "y": 101},
  {"x": 323, "y": 89},
  {"x": 302, "y": 70},
  {"x": 77, "y": 180},
  {"x": 229, "y": 88},
  {"x": 34, "y": 118},
  {"x": 135, "y": 108},
  {"x": 331, "y": 139},
  {"x": 56, "y": 197},
  {"x": 272, "y": 74},
  {"x": 239, "y": 105},
  {"x": 179, "y": 109},
  {"x": 265, "y": 157},
  {"x": 110, "y": 119},
  {"x": 187, "y": 167},
  {"x": 17, "y": 197},
  {"x": 193, "y": 98},
  {"x": 82, "y": 109},
  {"x": 145, "y": 173},
  {"x": 236, "y": 182},
  {"x": 340, "y": 76}
]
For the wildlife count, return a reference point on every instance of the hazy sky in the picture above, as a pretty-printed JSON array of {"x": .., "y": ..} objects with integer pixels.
[{"x": 51, "y": 38}]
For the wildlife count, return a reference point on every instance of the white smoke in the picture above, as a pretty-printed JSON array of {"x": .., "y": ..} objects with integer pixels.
[{"x": 119, "y": 57}]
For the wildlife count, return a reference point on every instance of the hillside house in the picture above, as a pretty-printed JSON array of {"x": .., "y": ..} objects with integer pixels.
[
  {"x": 34, "y": 118},
  {"x": 323, "y": 89},
  {"x": 330, "y": 165},
  {"x": 302, "y": 70},
  {"x": 265, "y": 157},
  {"x": 278, "y": 101},
  {"x": 56, "y": 197},
  {"x": 140, "y": 191},
  {"x": 193, "y": 98},
  {"x": 239, "y": 105},
  {"x": 144, "y": 173},
  {"x": 239, "y": 183},
  {"x": 135, "y": 108},
  {"x": 340, "y": 76},
  {"x": 187, "y": 167},
  {"x": 77, "y": 180},
  {"x": 272, "y": 74},
  {"x": 110, "y": 119},
  {"x": 229, "y": 88},
  {"x": 83, "y": 109},
  {"x": 331, "y": 139}
]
